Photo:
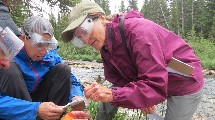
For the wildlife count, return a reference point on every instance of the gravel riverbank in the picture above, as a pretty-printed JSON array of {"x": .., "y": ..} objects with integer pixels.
[{"x": 89, "y": 71}]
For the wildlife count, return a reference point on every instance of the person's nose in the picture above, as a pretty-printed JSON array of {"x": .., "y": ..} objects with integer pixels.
[
  {"x": 44, "y": 50},
  {"x": 84, "y": 38},
  {"x": 4, "y": 63},
  {"x": 86, "y": 41}
]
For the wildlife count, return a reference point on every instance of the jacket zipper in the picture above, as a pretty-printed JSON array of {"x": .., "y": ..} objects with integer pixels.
[
  {"x": 34, "y": 71},
  {"x": 37, "y": 76}
]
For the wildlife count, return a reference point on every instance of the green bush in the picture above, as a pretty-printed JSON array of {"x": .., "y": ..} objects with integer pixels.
[
  {"x": 87, "y": 53},
  {"x": 205, "y": 51}
]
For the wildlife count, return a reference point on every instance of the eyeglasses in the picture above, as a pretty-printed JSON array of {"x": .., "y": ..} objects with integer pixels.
[
  {"x": 40, "y": 42},
  {"x": 40, "y": 46},
  {"x": 82, "y": 33}
]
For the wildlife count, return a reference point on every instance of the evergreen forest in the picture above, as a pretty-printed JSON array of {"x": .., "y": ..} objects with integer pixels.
[{"x": 193, "y": 20}]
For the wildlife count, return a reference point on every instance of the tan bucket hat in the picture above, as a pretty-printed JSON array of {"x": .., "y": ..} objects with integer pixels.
[{"x": 77, "y": 15}]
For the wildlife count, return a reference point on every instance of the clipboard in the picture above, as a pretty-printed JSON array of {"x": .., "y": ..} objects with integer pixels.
[{"x": 179, "y": 67}]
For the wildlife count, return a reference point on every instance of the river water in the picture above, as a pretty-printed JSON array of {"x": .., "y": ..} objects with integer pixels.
[{"x": 89, "y": 71}]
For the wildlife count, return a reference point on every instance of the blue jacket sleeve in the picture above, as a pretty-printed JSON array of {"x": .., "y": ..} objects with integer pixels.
[
  {"x": 52, "y": 57},
  {"x": 76, "y": 88},
  {"x": 17, "y": 109}
]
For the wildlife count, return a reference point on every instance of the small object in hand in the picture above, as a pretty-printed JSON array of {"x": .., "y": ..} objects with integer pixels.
[{"x": 75, "y": 102}]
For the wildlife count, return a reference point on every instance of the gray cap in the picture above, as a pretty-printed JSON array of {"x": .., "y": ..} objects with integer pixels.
[
  {"x": 77, "y": 15},
  {"x": 37, "y": 24}
]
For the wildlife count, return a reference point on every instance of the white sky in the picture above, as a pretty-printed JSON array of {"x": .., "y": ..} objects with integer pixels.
[{"x": 114, "y": 6}]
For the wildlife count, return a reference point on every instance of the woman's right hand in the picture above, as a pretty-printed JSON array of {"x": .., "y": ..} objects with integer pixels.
[{"x": 148, "y": 110}]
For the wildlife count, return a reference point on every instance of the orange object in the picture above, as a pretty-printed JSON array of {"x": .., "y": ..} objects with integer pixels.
[{"x": 68, "y": 116}]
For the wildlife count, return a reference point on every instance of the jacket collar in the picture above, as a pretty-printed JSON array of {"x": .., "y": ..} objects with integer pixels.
[{"x": 22, "y": 55}]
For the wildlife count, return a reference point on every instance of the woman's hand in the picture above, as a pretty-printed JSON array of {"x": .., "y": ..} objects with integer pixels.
[
  {"x": 148, "y": 110},
  {"x": 96, "y": 92},
  {"x": 77, "y": 115}
]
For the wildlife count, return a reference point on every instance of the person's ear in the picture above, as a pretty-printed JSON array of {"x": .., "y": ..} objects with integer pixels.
[
  {"x": 103, "y": 20},
  {"x": 22, "y": 37}
]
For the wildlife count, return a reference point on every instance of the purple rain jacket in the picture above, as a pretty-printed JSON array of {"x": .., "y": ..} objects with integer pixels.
[{"x": 142, "y": 80}]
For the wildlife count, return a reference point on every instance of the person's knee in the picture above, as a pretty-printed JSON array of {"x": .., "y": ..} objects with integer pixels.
[
  {"x": 13, "y": 83},
  {"x": 62, "y": 67},
  {"x": 61, "y": 73},
  {"x": 12, "y": 74}
]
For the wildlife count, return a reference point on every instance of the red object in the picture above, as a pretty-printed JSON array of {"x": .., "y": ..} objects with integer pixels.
[{"x": 68, "y": 116}]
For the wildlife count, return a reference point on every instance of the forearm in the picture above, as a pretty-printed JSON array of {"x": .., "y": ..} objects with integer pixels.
[{"x": 12, "y": 108}]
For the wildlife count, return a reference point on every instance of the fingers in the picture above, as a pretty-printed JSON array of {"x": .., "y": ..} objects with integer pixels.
[
  {"x": 90, "y": 90},
  {"x": 148, "y": 110},
  {"x": 80, "y": 114},
  {"x": 96, "y": 92},
  {"x": 90, "y": 86},
  {"x": 49, "y": 111}
]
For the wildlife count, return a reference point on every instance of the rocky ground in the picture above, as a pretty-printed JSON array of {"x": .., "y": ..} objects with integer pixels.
[{"x": 89, "y": 71}]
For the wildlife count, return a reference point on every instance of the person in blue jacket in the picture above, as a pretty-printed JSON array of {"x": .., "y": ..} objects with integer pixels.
[
  {"x": 37, "y": 84},
  {"x": 10, "y": 45}
]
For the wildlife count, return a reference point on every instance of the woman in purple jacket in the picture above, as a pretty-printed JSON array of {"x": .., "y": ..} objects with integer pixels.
[{"x": 135, "y": 54}]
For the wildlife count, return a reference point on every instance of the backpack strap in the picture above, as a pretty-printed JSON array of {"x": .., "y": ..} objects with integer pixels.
[{"x": 122, "y": 32}]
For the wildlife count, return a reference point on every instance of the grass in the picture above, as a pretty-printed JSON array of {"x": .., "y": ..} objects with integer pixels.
[{"x": 126, "y": 114}]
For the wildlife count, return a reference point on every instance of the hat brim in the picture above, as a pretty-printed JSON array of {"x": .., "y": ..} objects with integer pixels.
[{"x": 67, "y": 34}]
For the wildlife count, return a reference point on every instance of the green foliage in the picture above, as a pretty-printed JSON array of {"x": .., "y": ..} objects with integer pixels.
[
  {"x": 92, "y": 108},
  {"x": 191, "y": 36},
  {"x": 105, "y": 5},
  {"x": 157, "y": 11},
  {"x": 87, "y": 53},
  {"x": 200, "y": 17},
  {"x": 120, "y": 116},
  {"x": 19, "y": 13},
  {"x": 204, "y": 49},
  {"x": 132, "y": 4},
  {"x": 122, "y": 7},
  {"x": 174, "y": 17},
  {"x": 212, "y": 33},
  {"x": 123, "y": 114}
]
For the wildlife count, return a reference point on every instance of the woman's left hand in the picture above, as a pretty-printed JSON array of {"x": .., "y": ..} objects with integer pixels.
[{"x": 96, "y": 92}]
